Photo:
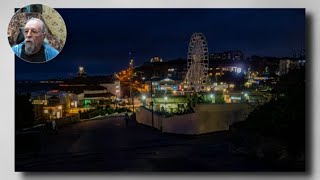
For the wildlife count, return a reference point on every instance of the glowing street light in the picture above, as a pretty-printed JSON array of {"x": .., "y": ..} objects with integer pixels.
[
  {"x": 143, "y": 100},
  {"x": 246, "y": 96},
  {"x": 46, "y": 112},
  {"x": 165, "y": 102},
  {"x": 213, "y": 99},
  {"x": 60, "y": 111}
]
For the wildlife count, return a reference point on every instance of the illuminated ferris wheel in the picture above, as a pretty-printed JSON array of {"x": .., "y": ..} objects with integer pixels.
[{"x": 198, "y": 63}]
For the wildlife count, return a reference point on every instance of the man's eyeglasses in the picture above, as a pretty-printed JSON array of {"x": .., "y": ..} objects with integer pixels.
[{"x": 32, "y": 31}]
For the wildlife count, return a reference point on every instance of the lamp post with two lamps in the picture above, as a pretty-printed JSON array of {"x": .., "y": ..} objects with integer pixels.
[
  {"x": 60, "y": 111},
  {"x": 165, "y": 103},
  {"x": 143, "y": 100},
  {"x": 246, "y": 97},
  {"x": 151, "y": 103},
  {"x": 213, "y": 99}
]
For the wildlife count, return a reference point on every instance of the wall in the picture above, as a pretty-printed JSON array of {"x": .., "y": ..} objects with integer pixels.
[
  {"x": 207, "y": 118},
  {"x": 217, "y": 117},
  {"x": 144, "y": 116},
  {"x": 182, "y": 124}
]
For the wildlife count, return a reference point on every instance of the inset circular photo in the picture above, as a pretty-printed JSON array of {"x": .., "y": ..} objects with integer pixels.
[{"x": 37, "y": 33}]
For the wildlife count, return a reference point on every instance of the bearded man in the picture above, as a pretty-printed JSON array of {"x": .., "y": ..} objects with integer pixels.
[{"x": 34, "y": 48}]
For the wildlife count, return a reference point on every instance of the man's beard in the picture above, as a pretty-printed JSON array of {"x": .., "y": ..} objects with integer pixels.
[{"x": 29, "y": 47}]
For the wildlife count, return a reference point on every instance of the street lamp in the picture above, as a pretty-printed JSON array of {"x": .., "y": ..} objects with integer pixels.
[
  {"x": 131, "y": 71},
  {"x": 151, "y": 102},
  {"x": 46, "y": 112},
  {"x": 165, "y": 102},
  {"x": 246, "y": 96},
  {"x": 131, "y": 94},
  {"x": 144, "y": 100},
  {"x": 60, "y": 109},
  {"x": 213, "y": 99}
]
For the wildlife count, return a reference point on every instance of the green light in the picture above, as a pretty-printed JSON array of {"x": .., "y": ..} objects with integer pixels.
[{"x": 87, "y": 102}]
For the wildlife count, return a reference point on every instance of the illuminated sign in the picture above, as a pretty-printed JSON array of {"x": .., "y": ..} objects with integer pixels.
[
  {"x": 39, "y": 102},
  {"x": 235, "y": 98},
  {"x": 175, "y": 87}
]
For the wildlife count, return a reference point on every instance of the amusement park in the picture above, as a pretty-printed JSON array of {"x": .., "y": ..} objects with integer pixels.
[{"x": 165, "y": 95}]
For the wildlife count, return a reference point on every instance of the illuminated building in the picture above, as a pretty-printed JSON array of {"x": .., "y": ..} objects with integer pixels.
[
  {"x": 173, "y": 69},
  {"x": 220, "y": 69},
  {"x": 81, "y": 72},
  {"x": 286, "y": 65},
  {"x": 227, "y": 55},
  {"x": 165, "y": 85},
  {"x": 156, "y": 59}
]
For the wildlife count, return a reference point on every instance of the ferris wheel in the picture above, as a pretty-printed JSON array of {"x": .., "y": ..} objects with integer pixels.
[{"x": 197, "y": 63}]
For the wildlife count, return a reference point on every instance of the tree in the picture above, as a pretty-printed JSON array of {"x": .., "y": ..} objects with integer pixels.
[
  {"x": 283, "y": 117},
  {"x": 24, "y": 112},
  {"x": 219, "y": 98}
]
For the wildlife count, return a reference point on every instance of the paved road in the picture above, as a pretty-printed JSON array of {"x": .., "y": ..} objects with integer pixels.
[{"x": 107, "y": 145}]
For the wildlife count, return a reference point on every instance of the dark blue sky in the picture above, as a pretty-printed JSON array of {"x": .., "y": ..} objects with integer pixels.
[{"x": 100, "y": 39}]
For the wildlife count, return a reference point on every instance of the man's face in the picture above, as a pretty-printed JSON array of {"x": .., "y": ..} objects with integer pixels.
[{"x": 33, "y": 37}]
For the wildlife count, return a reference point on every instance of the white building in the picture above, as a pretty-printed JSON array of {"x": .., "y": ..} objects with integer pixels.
[{"x": 286, "y": 65}]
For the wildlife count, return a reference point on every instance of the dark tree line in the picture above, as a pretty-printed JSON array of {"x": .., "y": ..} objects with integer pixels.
[
  {"x": 24, "y": 114},
  {"x": 284, "y": 117}
]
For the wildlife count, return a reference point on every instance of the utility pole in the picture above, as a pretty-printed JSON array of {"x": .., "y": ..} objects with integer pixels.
[
  {"x": 131, "y": 76},
  {"x": 151, "y": 102},
  {"x": 151, "y": 95},
  {"x": 132, "y": 95}
]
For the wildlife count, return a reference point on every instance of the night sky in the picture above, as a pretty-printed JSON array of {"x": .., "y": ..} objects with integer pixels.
[{"x": 101, "y": 39}]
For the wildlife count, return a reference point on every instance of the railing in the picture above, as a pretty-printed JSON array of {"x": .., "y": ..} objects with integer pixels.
[{"x": 67, "y": 120}]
